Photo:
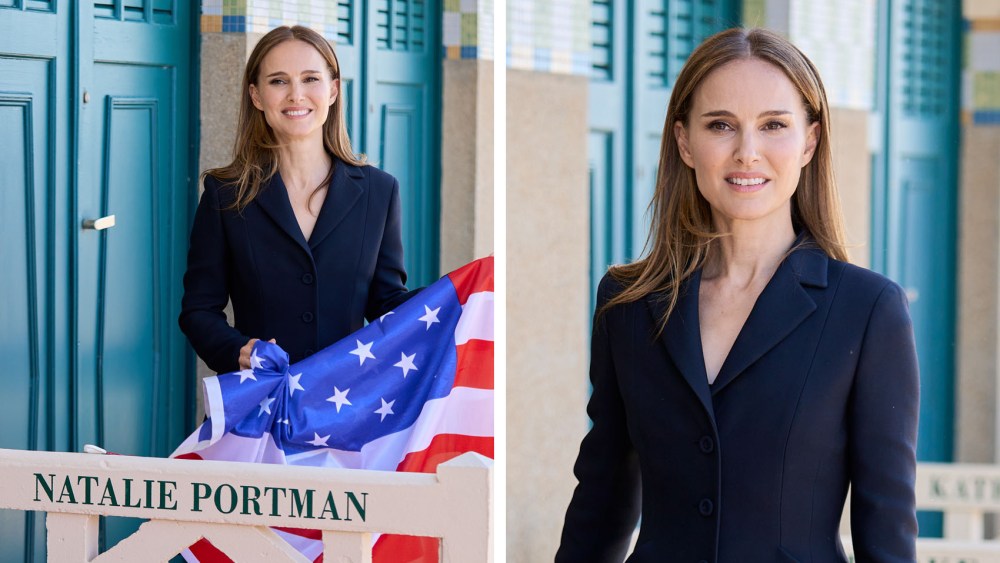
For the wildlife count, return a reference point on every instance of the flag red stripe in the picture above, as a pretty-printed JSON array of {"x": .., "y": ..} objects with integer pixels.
[
  {"x": 474, "y": 364},
  {"x": 444, "y": 447},
  {"x": 208, "y": 553},
  {"x": 405, "y": 549},
  {"x": 471, "y": 279}
]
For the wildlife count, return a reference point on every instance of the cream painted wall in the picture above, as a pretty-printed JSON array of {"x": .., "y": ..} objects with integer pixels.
[
  {"x": 548, "y": 256},
  {"x": 978, "y": 300},
  {"x": 852, "y": 167},
  {"x": 466, "y": 162}
]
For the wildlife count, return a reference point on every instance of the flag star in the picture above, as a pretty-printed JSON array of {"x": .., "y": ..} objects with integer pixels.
[
  {"x": 319, "y": 440},
  {"x": 382, "y": 318},
  {"x": 294, "y": 385},
  {"x": 363, "y": 351},
  {"x": 339, "y": 397},
  {"x": 256, "y": 362},
  {"x": 430, "y": 317},
  {"x": 286, "y": 422},
  {"x": 406, "y": 363},
  {"x": 247, "y": 374},
  {"x": 265, "y": 406},
  {"x": 386, "y": 409}
]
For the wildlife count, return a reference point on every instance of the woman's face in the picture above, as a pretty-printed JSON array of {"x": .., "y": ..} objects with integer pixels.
[
  {"x": 747, "y": 139},
  {"x": 295, "y": 91}
]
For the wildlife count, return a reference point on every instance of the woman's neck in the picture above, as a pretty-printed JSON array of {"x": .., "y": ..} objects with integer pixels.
[
  {"x": 303, "y": 166},
  {"x": 750, "y": 253}
]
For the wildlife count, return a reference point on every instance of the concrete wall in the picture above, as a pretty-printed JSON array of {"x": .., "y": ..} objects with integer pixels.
[
  {"x": 466, "y": 162},
  {"x": 852, "y": 167},
  {"x": 548, "y": 257},
  {"x": 978, "y": 300}
]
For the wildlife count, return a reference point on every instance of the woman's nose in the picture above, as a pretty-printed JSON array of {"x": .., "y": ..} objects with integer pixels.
[
  {"x": 294, "y": 92},
  {"x": 746, "y": 151}
]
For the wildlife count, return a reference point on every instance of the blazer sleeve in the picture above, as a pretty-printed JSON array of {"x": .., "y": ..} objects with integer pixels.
[
  {"x": 206, "y": 282},
  {"x": 388, "y": 286},
  {"x": 606, "y": 503},
  {"x": 883, "y": 435}
]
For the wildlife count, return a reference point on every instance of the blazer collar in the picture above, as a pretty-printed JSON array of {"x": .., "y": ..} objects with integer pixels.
[
  {"x": 344, "y": 192},
  {"x": 781, "y": 307}
]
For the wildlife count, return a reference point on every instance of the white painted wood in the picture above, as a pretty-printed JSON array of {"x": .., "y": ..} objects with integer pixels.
[
  {"x": 964, "y": 524},
  {"x": 456, "y": 504},
  {"x": 71, "y": 538},
  {"x": 342, "y": 547}
]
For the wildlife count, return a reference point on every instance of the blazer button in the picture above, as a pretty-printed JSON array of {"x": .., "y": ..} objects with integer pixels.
[
  {"x": 307, "y": 278},
  {"x": 707, "y": 444},
  {"x": 308, "y": 352},
  {"x": 705, "y": 507},
  {"x": 307, "y": 317}
]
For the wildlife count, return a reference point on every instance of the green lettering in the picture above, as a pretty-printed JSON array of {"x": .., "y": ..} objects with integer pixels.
[
  {"x": 86, "y": 487},
  {"x": 109, "y": 494},
  {"x": 47, "y": 488},
  {"x": 67, "y": 491},
  {"x": 232, "y": 498},
  {"x": 247, "y": 499},
  {"x": 167, "y": 494},
  {"x": 329, "y": 506},
  {"x": 198, "y": 497},
  {"x": 149, "y": 493},
  {"x": 359, "y": 506},
  {"x": 298, "y": 503},
  {"x": 128, "y": 495},
  {"x": 937, "y": 487},
  {"x": 274, "y": 497}
]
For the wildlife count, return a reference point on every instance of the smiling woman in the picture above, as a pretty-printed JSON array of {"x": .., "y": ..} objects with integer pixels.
[
  {"x": 297, "y": 231},
  {"x": 742, "y": 372}
]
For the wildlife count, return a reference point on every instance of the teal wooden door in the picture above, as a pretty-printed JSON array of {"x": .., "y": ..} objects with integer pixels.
[
  {"x": 638, "y": 48},
  {"x": 35, "y": 70},
  {"x": 401, "y": 130},
  {"x": 105, "y": 362},
  {"x": 915, "y": 194}
]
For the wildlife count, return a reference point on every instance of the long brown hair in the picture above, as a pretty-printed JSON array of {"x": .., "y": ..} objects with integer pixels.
[
  {"x": 255, "y": 155},
  {"x": 682, "y": 235}
]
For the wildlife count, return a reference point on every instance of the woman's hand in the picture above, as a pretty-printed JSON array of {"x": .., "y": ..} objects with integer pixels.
[{"x": 246, "y": 350}]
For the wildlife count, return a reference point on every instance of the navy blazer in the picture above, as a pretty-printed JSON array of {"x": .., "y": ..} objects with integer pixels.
[
  {"x": 820, "y": 391},
  {"x": 305, "y": 294}
]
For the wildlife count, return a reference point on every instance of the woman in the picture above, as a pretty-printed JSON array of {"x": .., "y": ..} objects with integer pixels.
[
  {"x": 297, "y": 232},
  {"x": 743, "y": 374}
]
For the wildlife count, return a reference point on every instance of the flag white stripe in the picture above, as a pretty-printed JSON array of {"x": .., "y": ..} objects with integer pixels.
[
  {"x": 214, "y": 406},
  {"x": 476, "y": 322},
  {"x": 465, "y": 411}
]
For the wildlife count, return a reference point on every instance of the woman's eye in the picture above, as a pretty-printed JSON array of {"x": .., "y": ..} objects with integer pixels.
[
  {"x": 775, "y": 125},
  {"x": 311, "y": 79},
  {"x": 277, "y": 81},
  {"x": 719, "y": 126}
]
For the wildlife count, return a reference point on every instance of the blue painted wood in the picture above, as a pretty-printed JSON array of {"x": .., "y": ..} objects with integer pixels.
[
  {"x": 915, "y": 197},
  {"x": 33, "y": 336},
  {"x": 95, "y": 338},
  {"x": 402, "y": 123}
]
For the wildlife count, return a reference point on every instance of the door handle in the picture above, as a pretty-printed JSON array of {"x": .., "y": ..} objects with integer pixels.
[{"x": 99, "y": 224}]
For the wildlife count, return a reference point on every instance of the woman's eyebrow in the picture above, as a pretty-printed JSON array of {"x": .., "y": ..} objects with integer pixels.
[
  {"x": 726, "y": 113},
  {"x": 282, "y": 73}
]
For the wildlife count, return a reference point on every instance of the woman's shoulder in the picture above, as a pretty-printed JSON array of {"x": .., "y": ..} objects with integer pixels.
[
  {"x": 374, "y": 176},
  {"x": 861, "y": 284},
  {"x": 220, "y": 189}
]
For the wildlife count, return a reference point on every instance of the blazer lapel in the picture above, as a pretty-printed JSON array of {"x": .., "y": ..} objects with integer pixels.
[
  {"x": 782, "y": 306},
  {"x": 344, "y": 193},
  {"x": 682, "y": 337},
  {"x": 273, "y": 199}
]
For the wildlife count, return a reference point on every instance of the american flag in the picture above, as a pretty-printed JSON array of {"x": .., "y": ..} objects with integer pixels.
[{"x": 409, "y": 391}]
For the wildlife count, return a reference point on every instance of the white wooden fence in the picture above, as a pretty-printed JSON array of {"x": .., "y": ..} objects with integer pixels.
[
  {"x": 965, "y": 493},
  {"x": 233, "y": 504}
]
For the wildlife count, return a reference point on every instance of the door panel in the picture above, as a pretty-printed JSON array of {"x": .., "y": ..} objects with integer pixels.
[{"x": 402, "y": 122}]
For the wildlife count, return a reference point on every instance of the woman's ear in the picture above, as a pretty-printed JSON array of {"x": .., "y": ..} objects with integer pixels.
[
  {"x": 681, "y": 135},
  {"x": 334, "y": 90},
  {"x": 812, "y": 139},
  {"x": 255, "y": 97}
]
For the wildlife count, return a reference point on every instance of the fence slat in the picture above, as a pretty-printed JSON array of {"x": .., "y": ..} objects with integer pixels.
[
  {"x": 341, "y": 547},
  {"x": 72, "y": 538}
]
